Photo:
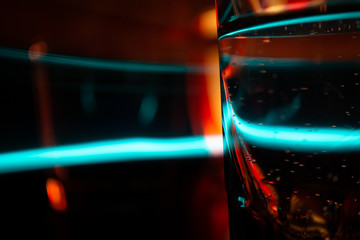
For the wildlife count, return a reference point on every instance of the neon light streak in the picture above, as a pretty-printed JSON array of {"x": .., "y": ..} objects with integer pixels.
[
  {"x": 318, "y": 18},
  {"x": 299, "y": 138},
  {"x": 132, "y": 149},
  {"x": 105, "y": 64}
]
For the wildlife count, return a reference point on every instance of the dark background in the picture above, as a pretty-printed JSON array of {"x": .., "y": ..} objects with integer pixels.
[{"x": 49, "y": 104}]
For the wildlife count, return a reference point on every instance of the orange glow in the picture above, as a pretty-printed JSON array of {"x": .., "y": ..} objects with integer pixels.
[
  {"x": 274, "y": 208},
  {"x": 207, "y": 25},
  {"x": 276, "y": 6},
  {"x": 212, "y": 125},
  {"x": 56, "y": 194},
  {"x": 205, "y": 106},
  {"x": 37, "y": 50}
]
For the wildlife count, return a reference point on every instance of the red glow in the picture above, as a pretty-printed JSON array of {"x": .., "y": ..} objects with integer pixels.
[
  {"x": 56, "y": 194},
  {"x": 249, "y": 170},
  {"x": 297, "y": 5},
  {"x": 42, "y": 93},
  {"x": 274, "y": 208}
]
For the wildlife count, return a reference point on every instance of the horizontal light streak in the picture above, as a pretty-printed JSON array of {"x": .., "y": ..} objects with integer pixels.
[
  {"x": 104, "y": 64},
  {"x": 303, "y": 139},
  {"x": 311, "y": 19},
  {"x": 123, "y": 150}
]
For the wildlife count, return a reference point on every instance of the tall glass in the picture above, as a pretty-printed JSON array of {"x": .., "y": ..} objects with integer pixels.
[{"x": 290, "y": 76}]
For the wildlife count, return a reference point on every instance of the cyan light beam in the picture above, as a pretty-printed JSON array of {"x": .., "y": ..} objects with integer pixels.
[
  {"x": 301, "y": 139},
  {"x": 311, "y": 19},
  {"x": 113, "y": 65},
  {"x": 132, "y": 149}
]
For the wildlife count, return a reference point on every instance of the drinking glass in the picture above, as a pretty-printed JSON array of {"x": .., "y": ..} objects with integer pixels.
[{"x": 290, "y": 80}]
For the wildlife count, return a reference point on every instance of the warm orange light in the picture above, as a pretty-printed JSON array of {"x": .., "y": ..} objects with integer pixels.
[
  {"x": 207, "y": 24},
  {"x": 56, "y": 194},
  {"x": 213, "y": 124},
  {"x": 274, "y": 208}
]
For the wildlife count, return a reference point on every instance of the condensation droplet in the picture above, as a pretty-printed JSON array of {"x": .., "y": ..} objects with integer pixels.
[
  {"x": 287, "y": 150},
  {"x": 278, "y": 178}
]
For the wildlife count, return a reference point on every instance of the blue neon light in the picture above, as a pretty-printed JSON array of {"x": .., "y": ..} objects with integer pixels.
[
  {"x": 113, "y": 65},
  {"x": 133, "y": 149},
  {"x": 303, "y": 139},
  {"x": 311, "y": 19},
  {"x": 241, "y": 200}
]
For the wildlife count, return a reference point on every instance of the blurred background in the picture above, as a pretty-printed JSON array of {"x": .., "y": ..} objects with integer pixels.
[{"x": 110, "y": 120}]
